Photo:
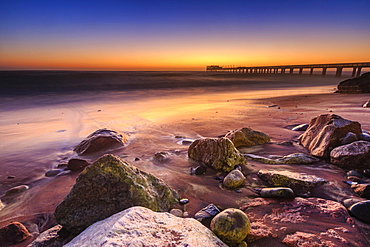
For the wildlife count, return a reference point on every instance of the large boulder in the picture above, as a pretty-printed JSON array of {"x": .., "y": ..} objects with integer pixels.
[
  {"x": 300, "y": 183},
  {"x": 108, "y": 186},
  {"x": 100, "y": 141},
  {"x": 356, "y": 85},
  {"x": 355, "y": 155},
  {"x": 218, "y": 153},
  {"x": 247, "y": 137},
  {"x": 139, "y": 226},
  {"x": 326, "y": 132}
]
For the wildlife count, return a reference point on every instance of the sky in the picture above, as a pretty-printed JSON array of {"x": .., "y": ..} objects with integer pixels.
[{"x": 181, "y": 35}]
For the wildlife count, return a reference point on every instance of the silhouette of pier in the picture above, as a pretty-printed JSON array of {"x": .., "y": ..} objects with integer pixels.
[{"x": 289, "y": 69}]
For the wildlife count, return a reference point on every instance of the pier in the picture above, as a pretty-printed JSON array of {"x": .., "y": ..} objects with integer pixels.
[{"x": 289, "y": 69}]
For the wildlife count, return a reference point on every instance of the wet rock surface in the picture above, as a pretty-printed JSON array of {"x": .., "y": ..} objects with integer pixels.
[
  {"x": 277, "y": 192},
  {"x": 361, "y": 210},
  {"x": 247, "y": 137},
  {"x": 355, "y": 155},
  {"x": 359, "y": 84},
  {"x": 234, "y": 179},
  {"x": 296, "y": 158},
  {"x": 77, "y": 164}
]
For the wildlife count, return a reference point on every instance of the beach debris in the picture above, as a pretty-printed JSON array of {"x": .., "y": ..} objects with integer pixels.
[
  {"x": 362, "y": 190},
  {"x": 13, "y": 233},
  {"x": 326, "y": 132},
  {"x": 301, "y": 127},
  {"x": 231, "y": 226},
  {"x": 139, "y": 226},
  {"x": 349, "y": 138},
  {"x": 17, "y": 189},
  {"x": 300, "y": 183},
  {"x": 101, "y": 141},
  {"x": 207, "y": 212},
  {"x": 296, "y": 158},
  {"x": 277, "y": 192},
  {"x": 361, "y": 210},
  {"x": 177, "y": 212},
  {"x": 355, "y": 155},
  {"x": 199, "y": 170},
  {"x": 234, "y": 179},
  {"x": 247, "y": 137},
  {"x": 161, "y": 157},
  {"x": 359, "y": 84},
  {"x": 77, "y": 164},
  {"x": 367, "y": 104},
  {"x": 218, "y": 153},
  {"x": 108, "y": 186}
]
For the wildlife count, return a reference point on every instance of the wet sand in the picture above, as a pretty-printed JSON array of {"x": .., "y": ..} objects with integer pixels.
[{"x": 39, "y": 133}]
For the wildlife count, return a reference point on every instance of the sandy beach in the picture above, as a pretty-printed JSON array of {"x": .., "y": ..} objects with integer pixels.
[{"x": 39, "y": 131}]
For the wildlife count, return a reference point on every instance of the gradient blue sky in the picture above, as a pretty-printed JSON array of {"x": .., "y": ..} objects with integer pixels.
[{"x": 181, "y": 35}]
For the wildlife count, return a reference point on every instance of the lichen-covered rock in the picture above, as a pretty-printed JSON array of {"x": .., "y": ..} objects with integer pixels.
[
  {"x": 300, "y": 183},
  {"x": 231, "y": 226},
  {"x": 100, "y": 141},
  {"x": 355, "y": 155},
  {"x": 247, "y": 137},
  {"x": 326, "y": 132},
  {"x": 359, "y": 84},
  {"x": 139, "y": 226},
  {"x": 13, "y": 233},
  {"x": 296, "y": 158},
  {"x": 108, "y": 186},
  {"x": 218, "y": 153},
  {"x": 277, "y": 192},
  {"x": 234, "y": 179}
]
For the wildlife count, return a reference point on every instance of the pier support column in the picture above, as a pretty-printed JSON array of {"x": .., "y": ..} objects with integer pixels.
[
  {"x": 339, "y": 72},
  {"x": 324, "y": 71},
  {"x": 354, "y": 71},
  {"x": 359, "y": 71},
  {"x": 300, "y": 71},
  {"x": 311, "y": 71},
  {"x": 291, "y": 70}
]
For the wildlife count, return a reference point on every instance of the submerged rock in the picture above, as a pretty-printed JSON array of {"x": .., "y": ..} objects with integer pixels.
[
  {"x": 355, "y": 155},
  {"x": 139, "y": 226},
  {"x": 108, "y": 186},
  {"x": 77, "y": 164},
  {"x": 277, "y": 192},
  {"x": 296, "y": 158},
  {"x": 361, "y": 210},
  {"x": 218, "y": 153},
  {"x": 247, "y": 137},
  {"x": 100, "y": 141},
  {"x": 326, "y": 132},
  {"x": 231, "y": 226},
  {"x": 300, "y": 183},
  {"x": 13, "y": 233},
  {"x": 359, "y": 84},
  {"x": 207, "y": 212},
  {"x": 17, "y": 189},
  {"x": 234, "y": 179}
]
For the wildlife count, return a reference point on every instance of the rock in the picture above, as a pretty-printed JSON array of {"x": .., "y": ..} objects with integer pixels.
[
  {"x": 234, "y": 179},
  {"x": 362, "y": 190},
  {"x": 207, "y": 212},
  {"x": 247, "y": 137},
  {"x": 13, "y": 233},
  {"x": 176, "y": 212},
  {"x": 218, "y": 153},
  {"x": 17, "y": 189},
  {"x": 53, "y": 172},
  {"x": 355, "y": 155},
  {"x": 100, "y": 141},
  {"x": 184, "y": 201},
  {"x": 349, "y": 138},
  {"x": 356, "y": 85},
  {"x": 305, "y": 239},
  {"x": 367, "y": 104},
  {"x": 300, "y": 183},
  {"x": 296, "y": 158},
  {"x": 301, "y": 127},
  {"x": 366, "y": 173},
  {"x": 364, "y": 136},
  {"x": 277, "y": 192},
  {"x": 350, "y": 201},
  {"x": 108, "y": 186},
  {"x": 354, "y": 173},
  {"x": 361, "y": 210},
  {"x": 231, "y": 226},
  {"x": 161, "y": 157},
  {"x": 49, "y": 238},
  {"x": 199, "y": 170},
  {"x": 77, "y": 164},
  {"x": 139, "y": 226},
  {"x": 187, "y": 141},
  {"x": 326, "y": 132}
]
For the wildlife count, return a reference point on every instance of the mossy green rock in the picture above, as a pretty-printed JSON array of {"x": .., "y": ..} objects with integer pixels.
[
  {"x": 234, "y": 179},
  {"x": 108, "y": 186},
  {"x": 231, "y": 226},
  {"x": 219, "y": 153},
  {"x": 247, "y": 137}
]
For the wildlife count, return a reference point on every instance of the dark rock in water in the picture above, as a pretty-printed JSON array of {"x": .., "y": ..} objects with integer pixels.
[
  {"x": 108, "y": 186},
  {"x": 277, "y": 192},
  {"x": 100, "y": 141},
  {"x": 356, "y": 85},
  {"x": 247, "y": 137},
  {"x": 187, "y": 141},
  {"x": 301, "y": 127},
  {"x": 300, "y": 183},
  {"x": 286, "y": 143},
  {"x": 137, "y": 159},
  {"x": 231, "y": 226},
  {"x": 349, "y": 138},
  {"x": 366, "y": 173},
  {"x": 199, "y": 170},
  {"x": 350, "y": 201},
  {"x": 354, "y": 179},
  {"x": 354, "y": 173},
  {"x": 49, "y": 238},
  {"x": 53, "y": 172},
  {"x": 367, "y": 104},
  {"x": 364, "y": 136},
  {"x": 207, "y": 212},
  {"x": 77, "y": 164},
  {"x": 10, "y": 177},
  {"x": 326, "y": 132},
  {"x": 161, "y": 157},
  {"x": 361, "y": 211},
  {"x": 218, "y": 153},
  {"x": 355, "y": 155},
  {"x": 234, "y": 179},
  {"x": 17, "y": 189},
  {"x": 362, "y": 190},
  {"x": 13, "y": 233}
]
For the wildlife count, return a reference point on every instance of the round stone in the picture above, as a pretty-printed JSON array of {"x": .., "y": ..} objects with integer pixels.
[
  {"x": 361, "y": 211},
  {"x": 77, "y": 164},
  {"x": 234, "y": 179},
  {"x": 231, "y": 226},
  {"x": 279, "y": 192}
]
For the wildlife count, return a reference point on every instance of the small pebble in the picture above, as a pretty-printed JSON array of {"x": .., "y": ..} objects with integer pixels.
[
  {"x": 218, "y": 178},
  {"x": 53, "y": 173},
  {"x": 184, "y": 201},
  {"x": 137, "y": 159},
  {"x": 11, "y": 177},
  {"x": 238, "y": 191},
  {"x": 366, "y": 173},
  {"x": 176, "y": 212}
]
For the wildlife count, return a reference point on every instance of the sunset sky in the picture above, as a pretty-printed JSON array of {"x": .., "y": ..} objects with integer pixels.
[{"x": 181, "y": 35}]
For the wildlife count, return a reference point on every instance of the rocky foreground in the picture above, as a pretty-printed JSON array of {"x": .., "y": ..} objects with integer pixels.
[{"x": 113, "y": 203}]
